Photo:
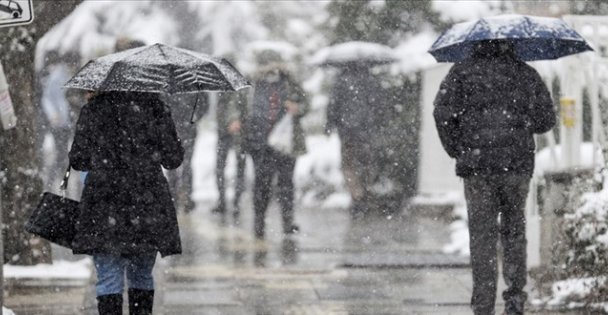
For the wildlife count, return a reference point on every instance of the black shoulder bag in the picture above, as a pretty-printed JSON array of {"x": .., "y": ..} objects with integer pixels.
[{"x": 55, "y": 216}]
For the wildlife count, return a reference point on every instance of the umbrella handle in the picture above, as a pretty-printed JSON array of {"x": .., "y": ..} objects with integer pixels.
[
  {"x": 64, "y": 183},
  {"x": 194, "y": 110}
]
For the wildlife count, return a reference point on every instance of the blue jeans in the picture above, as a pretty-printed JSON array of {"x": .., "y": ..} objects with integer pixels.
[{"x": 111, "y": 273}]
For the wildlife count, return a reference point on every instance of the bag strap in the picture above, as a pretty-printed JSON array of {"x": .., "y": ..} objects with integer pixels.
[{"x": 64, "y": 183}]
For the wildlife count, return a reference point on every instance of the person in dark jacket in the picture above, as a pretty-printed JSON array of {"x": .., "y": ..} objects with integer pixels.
[
  {"x": 230, "y": 114},
  {"x": 352, "y": 111},
  {"x": 127, "y": 214},
  {"x": 487, "y": 110},
  {"x": 276, "y": 93}
]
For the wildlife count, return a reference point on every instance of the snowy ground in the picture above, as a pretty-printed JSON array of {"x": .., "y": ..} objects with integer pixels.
[{"x": 58, "y": 270}]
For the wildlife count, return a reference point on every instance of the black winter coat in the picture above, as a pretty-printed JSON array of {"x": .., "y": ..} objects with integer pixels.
[
  {"x": 355, "y": 104},
  {"x": 486, "y": 112},
  {"x": 121, "y": 140}
]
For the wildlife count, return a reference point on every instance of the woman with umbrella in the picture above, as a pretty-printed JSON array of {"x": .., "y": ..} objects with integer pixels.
[
  {"x": 122, "y": 139},
  {"x": 123, "y": 136}
]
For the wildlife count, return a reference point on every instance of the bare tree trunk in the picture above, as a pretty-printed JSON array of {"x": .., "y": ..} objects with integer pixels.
[{"x": 21, "y": 181}]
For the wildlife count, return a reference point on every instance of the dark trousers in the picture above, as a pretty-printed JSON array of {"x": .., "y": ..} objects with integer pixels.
[
  {"x": 489, "y": 197},
  {"x": 224, "y": 143},
  {"x": 267, "y": 163},
  {"x": 357, "y": 171}
]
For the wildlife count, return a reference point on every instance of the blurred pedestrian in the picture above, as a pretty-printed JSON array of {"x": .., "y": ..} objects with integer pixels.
[
  {"x": 56, "y": 109},
  {"x": 487, "y": 110},
  {"x": 230, "y": 114},
  {"x": 127, "y": 215},
  {"x": 352, "y": 110},
  {"x": 180, "y": 179},
  {"x": 276, "y": 94}
]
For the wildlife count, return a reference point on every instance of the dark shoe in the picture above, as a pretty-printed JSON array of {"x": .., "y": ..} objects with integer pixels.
[
  {"x": 110, "y": 304},
  {"x": 514, "y": 308},
  {"x": 514, "y": 302},
  {"x": 291, "y": 229},
  {"x": 358, "y": 210},
  {"x": 259, "y": 226},
  {"x": 140, "y": 302},
  {"x": 189, "y": 205},
  {"x": 219, "y": 209},
  {"x": 236, "y": 215}
]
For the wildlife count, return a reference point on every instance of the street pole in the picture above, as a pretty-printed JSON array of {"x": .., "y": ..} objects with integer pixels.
[
  {"x": 8, "y": 121},
  {"x": 1, "y": 257}
]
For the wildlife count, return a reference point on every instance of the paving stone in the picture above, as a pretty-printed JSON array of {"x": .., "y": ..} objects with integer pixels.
[
  {"x": 335, "y": 266},
  {"x": 404, "y": 260},
  {"x": 47, "y": 301},
  {"x": 217, "y": 297}
]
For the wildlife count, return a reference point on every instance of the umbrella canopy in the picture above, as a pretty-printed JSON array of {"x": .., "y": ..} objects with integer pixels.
[
  {"x": 345, "y": 54},
  {"x": 533, "y": 38},
  {"x": 158, "y": 68}
]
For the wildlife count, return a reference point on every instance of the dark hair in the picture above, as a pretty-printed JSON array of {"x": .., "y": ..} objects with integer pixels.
[
  {"x": 124, "y": 43},
  {"x": 493, "y": 49}
]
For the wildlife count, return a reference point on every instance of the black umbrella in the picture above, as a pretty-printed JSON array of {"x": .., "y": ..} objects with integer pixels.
[
  {"x": 533, "y": 38},
  {"x": 158, "y": 68}
]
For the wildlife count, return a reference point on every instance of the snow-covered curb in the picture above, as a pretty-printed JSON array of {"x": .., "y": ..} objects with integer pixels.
[
  {"x": 58, "y": 270},
  {"x": 6, "y": 311},
  {"x": 566, "y": 290}
]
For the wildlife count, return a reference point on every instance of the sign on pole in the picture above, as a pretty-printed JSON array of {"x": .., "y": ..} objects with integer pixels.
[{"x": 16, "y": 12}]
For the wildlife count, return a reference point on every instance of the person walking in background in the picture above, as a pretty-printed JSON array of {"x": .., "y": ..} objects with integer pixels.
[
  {"x": 127, "y": 214},
  {"x": 351, "y": 111},
  {"x": 486, "y": 112},
  {"x": 180, "y": 179},
  {"x": 57, "y": 111},
  {"x": 275, "y": 95},
  {"x": 230, "y": 113}
]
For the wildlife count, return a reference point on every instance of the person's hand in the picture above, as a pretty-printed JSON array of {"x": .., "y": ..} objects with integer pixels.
[
  {"x": 234, "y": 127},
  {"x": 292, "y": 107}
]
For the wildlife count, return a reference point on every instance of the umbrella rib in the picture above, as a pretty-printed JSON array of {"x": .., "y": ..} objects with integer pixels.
[
  {"x": 113, "y": 68},
  {"x": 529, "y": 23},
  {"x": 196, "y": 79},
  {"x": 161, "y": 51},
  {"x": 138, "y": 52},
  {"x": 171, "y": 85},
  {"x": 198, "y": 75}
]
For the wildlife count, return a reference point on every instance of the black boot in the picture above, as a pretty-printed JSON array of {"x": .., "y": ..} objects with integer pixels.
[
  {"x": 110, "y": 304},
  {"x": 220, "y": 208},
  {"x": 259, "y": 225},
  {"x": 140, "y": 302}
]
